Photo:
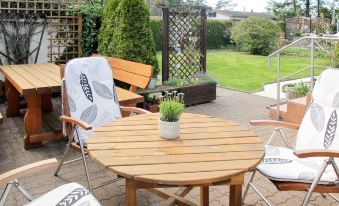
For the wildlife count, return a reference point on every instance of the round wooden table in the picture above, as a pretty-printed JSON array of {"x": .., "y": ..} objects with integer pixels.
[{"x": 209, "y": 151}]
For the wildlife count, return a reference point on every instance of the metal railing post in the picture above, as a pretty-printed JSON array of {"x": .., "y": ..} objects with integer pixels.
[
  {"x": 312, "y": 64},
  {"x": 278, "y": 86}
]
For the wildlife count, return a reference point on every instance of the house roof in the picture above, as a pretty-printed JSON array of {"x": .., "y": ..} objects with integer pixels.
[{"x": 242, "y": 14}]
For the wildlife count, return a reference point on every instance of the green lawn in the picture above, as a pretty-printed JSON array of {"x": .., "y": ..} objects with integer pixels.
[{"x": 249, "y": 73}]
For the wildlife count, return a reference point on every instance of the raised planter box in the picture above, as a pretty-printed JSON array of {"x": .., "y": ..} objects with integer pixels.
[{"x": 196, "y": 94}]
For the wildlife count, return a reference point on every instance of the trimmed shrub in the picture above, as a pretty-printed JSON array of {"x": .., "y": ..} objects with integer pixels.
[
  {"x": 91, "y": 21},
  {"x": 335, "y": 58},
  {"x": 108, "y": 24},
  {"x": 156, "y": 27},
  {"x": 127, "y": 33},
  {"x": 218, "y": 34},
  {"x": 256, "y": 34}
]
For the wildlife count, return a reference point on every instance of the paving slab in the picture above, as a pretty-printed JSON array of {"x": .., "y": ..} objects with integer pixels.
[{"x": 233, "y": 105}]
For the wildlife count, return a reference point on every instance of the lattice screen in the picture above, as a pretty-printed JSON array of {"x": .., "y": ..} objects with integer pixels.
[
  {"x": 64, "y": 28},
  {"x": 184, "y": 43}
]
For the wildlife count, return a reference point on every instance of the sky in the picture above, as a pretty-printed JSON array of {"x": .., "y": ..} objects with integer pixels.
[{"x": 256, "y": 5}]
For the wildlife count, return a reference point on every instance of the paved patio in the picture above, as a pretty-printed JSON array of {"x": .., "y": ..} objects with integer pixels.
[{"x": 236, "y": 106}]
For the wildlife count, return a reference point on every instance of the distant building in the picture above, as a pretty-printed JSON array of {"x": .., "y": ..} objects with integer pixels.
[{"x": 236, "y": 15}]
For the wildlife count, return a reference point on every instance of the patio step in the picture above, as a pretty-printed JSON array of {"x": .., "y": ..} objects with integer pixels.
[{"x": 293, "y": 111}]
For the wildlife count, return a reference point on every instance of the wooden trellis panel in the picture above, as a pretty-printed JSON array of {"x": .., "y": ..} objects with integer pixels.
[
  {"x": 64, "y": 37},
  {"x": 184, "y": 42},
  {"x": 64, "y": 28}
]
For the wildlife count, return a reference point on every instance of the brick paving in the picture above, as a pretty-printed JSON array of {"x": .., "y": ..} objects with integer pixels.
[{"x": 236, "y": 106}]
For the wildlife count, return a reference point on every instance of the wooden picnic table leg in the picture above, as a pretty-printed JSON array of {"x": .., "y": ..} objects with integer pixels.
[
  {"x": 32, "y": 120},
  {"x": 46, "y": 102},
  {"x": 13, "y": 100},
  {"x": 204, "y": 196},
  {"x": 235, "y": 198},
  {"x": 131, "y": 193}
]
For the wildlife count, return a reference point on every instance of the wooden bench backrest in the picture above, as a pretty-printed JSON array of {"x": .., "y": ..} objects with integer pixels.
[{"x": 136, "y": 74}]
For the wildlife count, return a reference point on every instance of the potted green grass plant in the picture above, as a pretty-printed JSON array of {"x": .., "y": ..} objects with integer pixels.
[{"x": 171, "y": 107}]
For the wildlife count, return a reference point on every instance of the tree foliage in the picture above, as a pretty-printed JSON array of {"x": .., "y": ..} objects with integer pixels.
[
  {"x": 256, "y": 34},
  {"x": 224, "y": 4},
  {"x": 127, "y": 32}
]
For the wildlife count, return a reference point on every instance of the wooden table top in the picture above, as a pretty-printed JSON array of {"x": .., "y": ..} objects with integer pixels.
[
  {"x": 209, "y": 150},
  {"x": 31, "y": 79}
]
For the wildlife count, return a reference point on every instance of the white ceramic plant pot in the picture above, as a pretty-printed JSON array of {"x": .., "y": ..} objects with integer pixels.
[
  {"x": 169, "y": 130},
  {"x": 153, "y": 83}
]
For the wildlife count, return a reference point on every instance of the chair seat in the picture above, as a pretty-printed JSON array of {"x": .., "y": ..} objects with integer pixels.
[
  {"x": 71, "y": 194},
  {"x": 280, "y": 164}
]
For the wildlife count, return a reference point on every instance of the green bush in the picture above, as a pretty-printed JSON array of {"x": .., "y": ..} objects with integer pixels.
[
  {"x": 108, "y": 24},
  {"x": 91, "y": 21},
  {"x": 127, "y": 33},
  {"x": 333, "y": 28},
  {"x": 256, "y": 34},
  {"x": 156, "y": 27},
  {"x": 335, "y": 58},
  {"x": 218, "y": 34},
  {"x": 281, "y": 25}
]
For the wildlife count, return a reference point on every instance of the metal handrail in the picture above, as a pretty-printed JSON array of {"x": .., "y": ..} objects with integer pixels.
[{"x": 311, "y": 67}]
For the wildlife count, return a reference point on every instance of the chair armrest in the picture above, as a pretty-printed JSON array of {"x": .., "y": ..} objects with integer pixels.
[
  {"x": 134, "y": 109},
  {"x": 274, "y": 123},
  {"x": 27, "y": 170},
  {"x": 316, "y": 153},
  {"x": 77, "y": 122}
]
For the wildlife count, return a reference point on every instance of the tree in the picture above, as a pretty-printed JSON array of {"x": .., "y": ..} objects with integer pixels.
[
  {"x": 257, "y": 35},
  {"x": 106, "y": 39},
  {"x": 133, "y": 35},
  {"x": 333, "y": 12},
  {"x": 285, "y": 9},
  {"x": 224, "y": 4},
  {"x": 197, "y": 2},
  {"x": 307, "y": 8}
]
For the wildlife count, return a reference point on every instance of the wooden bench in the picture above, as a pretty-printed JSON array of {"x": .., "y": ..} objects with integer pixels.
[{"x": 135, "y": 74}]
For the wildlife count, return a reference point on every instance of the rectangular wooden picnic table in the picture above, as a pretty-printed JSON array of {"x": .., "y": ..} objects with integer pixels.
[{"x": 36, "y": 83}]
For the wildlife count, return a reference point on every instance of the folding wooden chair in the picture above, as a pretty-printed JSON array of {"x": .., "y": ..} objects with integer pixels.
[
  {"x": 71, "y": 194},
  {"x": 313, "y": 164},
  {"x": 89, "y": 101}
]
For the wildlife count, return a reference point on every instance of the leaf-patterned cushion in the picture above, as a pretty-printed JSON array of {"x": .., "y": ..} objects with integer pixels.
[
  {"x": 91, "y": 92},
  {"x": 319, "y": 128},
  {"x": 71, "y": 194},
  {"x": 282, "y": 165}
]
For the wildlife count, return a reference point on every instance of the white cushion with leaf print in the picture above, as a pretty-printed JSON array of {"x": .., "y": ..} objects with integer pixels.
[
  {"x": 71, "y": 194},
  {"x": 318, "y": 130},
  {"x": 91, "y": 93}
]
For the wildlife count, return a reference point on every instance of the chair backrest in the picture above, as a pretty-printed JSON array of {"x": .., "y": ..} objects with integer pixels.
[
  {"x": 319, "y": 128},
  {"x": 89, "y": 93},
  {"x": 136, "y": 74}
]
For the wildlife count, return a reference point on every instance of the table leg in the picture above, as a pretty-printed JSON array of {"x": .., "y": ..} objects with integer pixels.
[
  {"x": 131, "y": 193},
  {"x": 235, "y": 195},
  {"x": 204, "y": 195},
  {"x": 46, "y": 102},
  {"x": 13, "y": 107},
  {"x": 32, "y": 120}
]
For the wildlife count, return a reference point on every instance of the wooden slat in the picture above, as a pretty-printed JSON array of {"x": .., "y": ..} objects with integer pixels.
[
  {"x": 190, "y": 178},
  {"x": 97, "y": 154},
  {"x": 41, "y": 87},
  {"x": 140, "y": 170},
  {"x": 126, "y": 97},
  {"x": 40, "y": 74},
  {"x": 103, "y": 137},
  {"x": 178, "y": 143},
  {"x": 132, "y": 73},
  {"x": 173, "y": 159},
  {"x": 21, "y": 84}
]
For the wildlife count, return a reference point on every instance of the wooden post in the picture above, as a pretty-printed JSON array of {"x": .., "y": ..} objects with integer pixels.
[
  {"x": 203, "y": 39},
  {"x": 165, "y": 44}
]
